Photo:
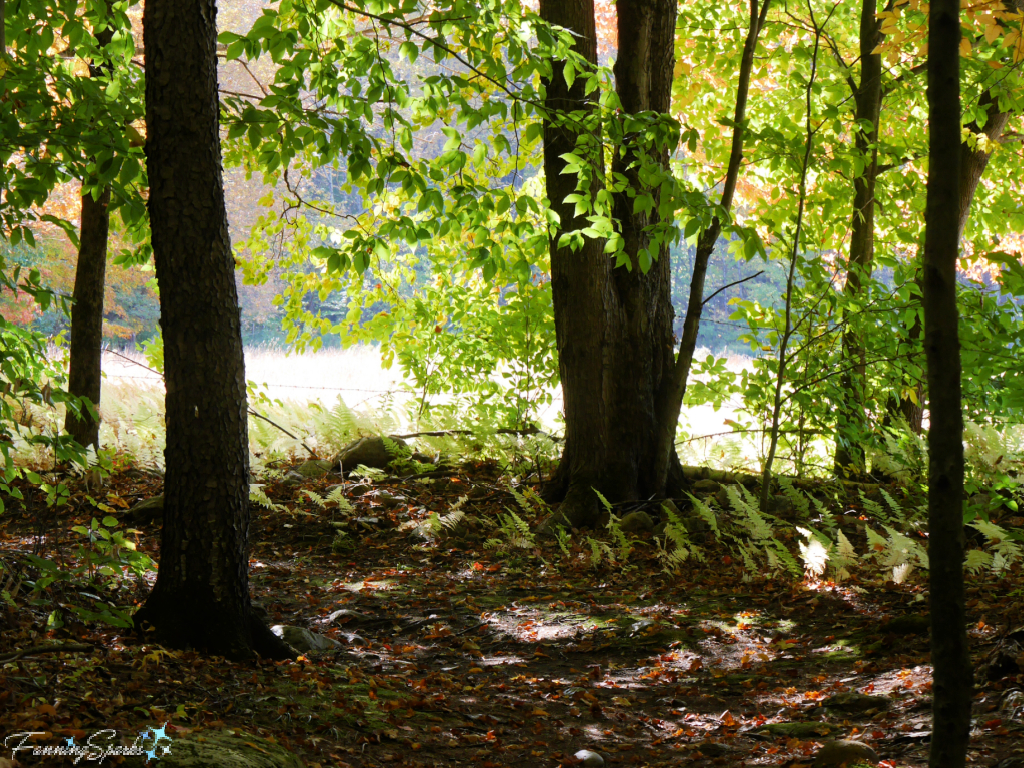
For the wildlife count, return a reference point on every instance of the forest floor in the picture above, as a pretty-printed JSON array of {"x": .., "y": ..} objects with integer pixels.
[{"x": 452, "y": 654}]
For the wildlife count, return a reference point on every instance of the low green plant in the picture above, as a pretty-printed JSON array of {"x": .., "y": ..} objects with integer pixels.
[
  {"x": 435, "y": 524},
  {"x": 336, "y": 496},
  {"x": 677, "y": 535},
  {"x": 564, "y": 540},
  {"x": 105, "y": 559},
  {"x": 512, "y": 533}
]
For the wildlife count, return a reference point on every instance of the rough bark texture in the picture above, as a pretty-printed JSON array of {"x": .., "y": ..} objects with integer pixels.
[
  {"x": 85, "y": 348},
  {"x": 580, "y": 287},
  {"x": 643, "y": 316},
  {"x": 201, "y": 597},
  {"x": 613, "y": 326},
  {"x": 952, "y": 671},
  {"x": 86, "y": 345},
  {"x": 868, "y": 100},
  {"x": 973, "y": 161}
]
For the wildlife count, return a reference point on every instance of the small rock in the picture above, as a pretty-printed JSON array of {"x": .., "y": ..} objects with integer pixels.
[
  {"x": 353, "y": 639},
  {"x": 855, "y": 702},
  {"x": 302, "y": 640},
  {"x": 836, "y": 753},
  {"x": 589, "y": 759},
  {"x": 722, "y": 497},
  {"x": 707, "y": 486},
  {"x": 375, "y": 451},
  {"x": 388, "y": 500},
  {"x": 345, "y": 615},
  {"x": 293, "y": 478},
  {"x": 314, "y": 468},
  {"x": 909, "y": 624},
  {"x": 373, "y": 523},
  {"x": 667, "y": 505},
  {"x": 696, "y": 524},
  {"x": 147, "y": 509},
  {"x": 211, "y": 746},
  {"x": 637, "y": 522}
]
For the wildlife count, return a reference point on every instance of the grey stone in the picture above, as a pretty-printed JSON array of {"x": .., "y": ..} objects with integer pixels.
[
  {"x": 314, "y": 468},
  {"x": 637, "y": 522},
  {"x": 293, "y": 478},
  {"x": 147, "y": 509},
  {"x": 345, "y": 615},
  {"x": 696, "y": 524},
  {"x": 370, "y": 452},
  {"x": 221, "y": 748},
  {"x": 389, "y": 500},
  {"x": 844, "y": 752},
  {"x": 707, "y": 486},
  {"x": 589, "y": 759},
  {"x": 851, "y": 701},
  {"x": 302, "y": 640},
  {"x": 722, "y": 497},
  {"x": 667, "y": 505}
]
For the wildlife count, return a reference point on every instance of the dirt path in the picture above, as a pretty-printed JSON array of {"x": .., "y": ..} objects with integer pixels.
[{"x": 452, "y": 655}]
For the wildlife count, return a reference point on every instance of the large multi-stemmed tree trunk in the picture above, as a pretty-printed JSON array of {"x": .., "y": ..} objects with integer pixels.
[
  {"x": 201, "y": 598},
  {"x": 951, "y": 690},
  {"x": 613, "y": 326},
  {"x": 86, "y": 343},
  {"x": 867, "y": 96},
  {"x": 622, "y": 382}
]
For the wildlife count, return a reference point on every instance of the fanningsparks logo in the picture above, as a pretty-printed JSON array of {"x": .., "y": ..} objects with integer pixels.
[{"x": 153, "y": 743}]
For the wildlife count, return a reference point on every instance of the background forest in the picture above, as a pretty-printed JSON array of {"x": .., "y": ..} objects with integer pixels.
[{"x": 438, "y": 254}]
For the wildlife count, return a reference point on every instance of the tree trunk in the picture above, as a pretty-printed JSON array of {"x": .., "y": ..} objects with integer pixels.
[
  {"x": 580, "y": 285},
  {"x": 852, "y": 426},
  {"x": 86, "y": 346},
  {"x": 952, "y": 670},
  {"x": 85, "y": 349},
  {"x": 201, "y": 597},
  {"x": 643, "y": 313},
  {"x": 622, "y": 383}
]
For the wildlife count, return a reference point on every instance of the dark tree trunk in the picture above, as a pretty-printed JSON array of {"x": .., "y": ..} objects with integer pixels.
[
  {"x": 580, "y": 285},
  {"x": 86, "y": 346},
  {"x": 613, "y": 326},
  {"x": 622, "y": 384},
  {"x": 952, "y": 670},
  {"x": 201, "y": 597},
  {"x": 867, "y": 96},
  {"x": 643, "y": 313}
]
